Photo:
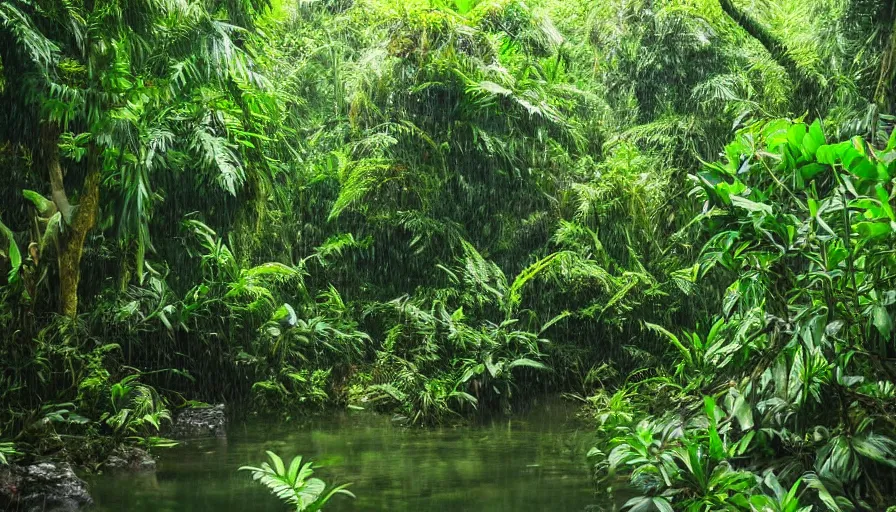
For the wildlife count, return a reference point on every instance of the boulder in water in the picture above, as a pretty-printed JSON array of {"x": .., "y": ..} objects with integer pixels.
[
  {"x": 200, "y": 422},
  {"x": 43, "y": 487},
  {"x": 130, "y": 458}
]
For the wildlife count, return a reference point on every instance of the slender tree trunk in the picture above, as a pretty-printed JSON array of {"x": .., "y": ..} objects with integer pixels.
[
  {"x": 50, "y": 148},
  {"x": 79, "y": 220},
  {"x": 885, "y": 93},
  {"x": 807, "y": 88}
]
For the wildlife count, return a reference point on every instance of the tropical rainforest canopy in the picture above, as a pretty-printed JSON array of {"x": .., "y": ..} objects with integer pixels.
[{"x": 679, "y": 211}]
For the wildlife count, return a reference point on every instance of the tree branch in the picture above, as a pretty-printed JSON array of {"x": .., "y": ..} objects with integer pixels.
[
  {"x": 50, "y": 147},
  {"x": 807, "y": 87}
]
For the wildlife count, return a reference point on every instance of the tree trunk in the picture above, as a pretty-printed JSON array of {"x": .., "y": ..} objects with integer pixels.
[
  {"x": 79, "y": 220},
  {"x": 807, "y": 88},
  {"x": 885, "y": 93},
  {"x": 72, "y": 244}
]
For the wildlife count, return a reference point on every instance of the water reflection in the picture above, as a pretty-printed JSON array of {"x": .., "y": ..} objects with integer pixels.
[{"x": 532, "y": 462}]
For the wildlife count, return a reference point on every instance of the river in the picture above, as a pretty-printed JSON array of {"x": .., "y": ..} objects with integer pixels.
[{"x": 533, "y": 461}]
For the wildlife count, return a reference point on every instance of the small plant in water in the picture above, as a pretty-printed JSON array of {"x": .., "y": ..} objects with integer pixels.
[{"x": 294, "y": 485}]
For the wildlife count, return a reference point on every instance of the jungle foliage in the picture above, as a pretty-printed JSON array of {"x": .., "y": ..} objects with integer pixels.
[{"x": 680, "y": 211}]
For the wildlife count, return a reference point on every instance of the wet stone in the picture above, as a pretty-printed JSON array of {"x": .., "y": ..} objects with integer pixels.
[
  {"x": 43, "y": 487},
  {"x": 130, "y": 458},
  {"x": 200, "y": 422}
]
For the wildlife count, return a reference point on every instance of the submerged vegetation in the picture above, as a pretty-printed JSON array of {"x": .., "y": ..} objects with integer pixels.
[{"x": 678, "y": 211}]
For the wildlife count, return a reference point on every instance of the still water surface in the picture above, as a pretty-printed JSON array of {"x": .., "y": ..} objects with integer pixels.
[{"x": 530, "y": 462}]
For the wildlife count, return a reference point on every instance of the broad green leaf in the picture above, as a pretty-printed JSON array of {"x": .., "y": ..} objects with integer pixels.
[
  {"x": 776, "y": 132},
  {"x": 795, "y": 135},
  {"x": 464, "y": 6},
  {"x": 872, "y": 230},
  {"x": 716, "y": 448},
  {"x": 814, "y": 139},
  {"x": 830, "y": 154},
  {"x": 44, "y": 206},
  {"x": 826, "y": 155},
  {"x": 743, "y": 412},
  {"x": 812, "y": 204},
  {"x": 751, "y": 206},
  {"x": 884, "y": 197},
  {"x": 809, "y": 171},
  {"x": 15, "y": 257},
  {"x": 863, "y": 168},
  {"x": 882, "y": 321}
]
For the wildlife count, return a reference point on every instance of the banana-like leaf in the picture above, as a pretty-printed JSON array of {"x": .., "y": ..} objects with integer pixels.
[
  {"x": 15, "y": 256},
  {"x": 51, "y": 232},
  {"x": 44, "y": 206}
]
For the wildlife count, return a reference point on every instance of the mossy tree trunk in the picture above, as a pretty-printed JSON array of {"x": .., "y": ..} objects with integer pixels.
[{"x": 79, "y": 219}]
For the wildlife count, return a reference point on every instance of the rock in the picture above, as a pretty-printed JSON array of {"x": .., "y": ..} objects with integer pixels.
[
  {"x": 200, "y": 422},
  {"x": 44, "y": 487},
  {"x": 130, "y": 458}
]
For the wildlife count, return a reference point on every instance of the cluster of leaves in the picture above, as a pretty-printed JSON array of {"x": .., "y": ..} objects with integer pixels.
[
  {"x": 801, "y": 229},
  {"x": 112, "y": 109},
  {"x": 288, "y": 353},
  {"x": 691, "y": 465},
  {"x": 7, "y": 449},
  {"x": 294, "y": 485},
  {"x": 436, "y": 361}
]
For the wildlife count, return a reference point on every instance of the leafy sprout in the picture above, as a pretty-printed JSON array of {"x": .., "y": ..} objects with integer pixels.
[{"x": 294, "y": 485}]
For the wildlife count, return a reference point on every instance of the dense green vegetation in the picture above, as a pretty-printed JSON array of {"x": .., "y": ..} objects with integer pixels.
[{"x": 679, "y": 211}]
